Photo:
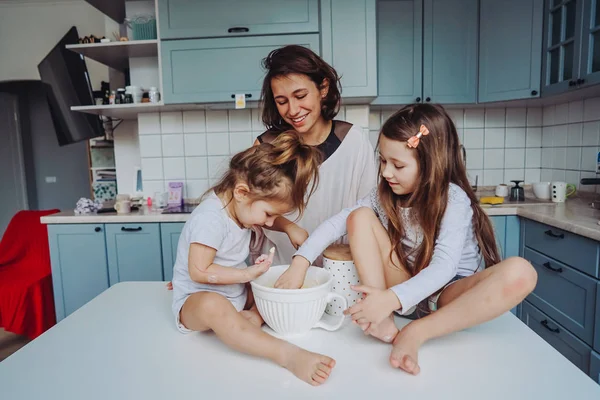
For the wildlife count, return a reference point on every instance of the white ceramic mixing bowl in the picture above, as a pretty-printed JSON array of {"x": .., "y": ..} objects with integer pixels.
[{"x": 291, "y": 312}]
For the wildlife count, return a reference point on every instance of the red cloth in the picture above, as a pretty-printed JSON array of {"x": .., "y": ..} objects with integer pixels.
[{"x": 26, "y": 297}]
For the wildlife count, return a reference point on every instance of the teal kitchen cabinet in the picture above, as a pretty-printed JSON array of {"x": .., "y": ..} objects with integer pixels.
[
  {"x": 441, "y": 33},
  {"x": 349, "y": 44},
  {"x": 597, "y": 328},
  {"x": 214, "y": 70},
  {"x": 79, "y": 265},
  {"x": 595, "y": 367},
  {"x": 170, "y": 233},
  {"x": 400, "y": 51},
  {"x": 510, "y": 49},
  {"x": 571, "y": 48},
  {"x": 507, "y": 230},
  {"x": 227, "y": 18},
  {"x": 134, "y": 252}
]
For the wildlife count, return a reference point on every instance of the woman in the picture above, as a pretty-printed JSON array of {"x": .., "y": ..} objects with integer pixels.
[{"x": 302, "y": 92}]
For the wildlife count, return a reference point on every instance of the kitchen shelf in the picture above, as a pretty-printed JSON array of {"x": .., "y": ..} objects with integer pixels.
[
  {"x": 116, "y": 54},
  {"x": 131, "y": 111}
]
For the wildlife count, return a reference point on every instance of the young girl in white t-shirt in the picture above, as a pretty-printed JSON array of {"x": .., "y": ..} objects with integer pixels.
[
  {"x": 421, "y": 242},
  {"x": 210, "y": 273}
]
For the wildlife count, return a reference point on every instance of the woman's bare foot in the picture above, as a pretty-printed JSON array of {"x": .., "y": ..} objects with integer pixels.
[
  {"x": 385, "y": 331},
  {"x": 253, "y": 316},
  {"x": 405, "y": 351},
  {"x": 312, "y": 368}
]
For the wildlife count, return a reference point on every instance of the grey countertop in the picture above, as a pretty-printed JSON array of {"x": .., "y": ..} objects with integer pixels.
[{"x": 575, "y": 215}]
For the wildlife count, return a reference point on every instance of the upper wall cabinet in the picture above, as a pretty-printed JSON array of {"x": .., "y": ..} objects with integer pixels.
[
  {"x": 441, "y": 33},
  {"x": 571, "y": 47},
  {"x": 349, "y": 44},
  {"x": 222, "y": 18},
  {"x": 510, "y": 49},
  {"x": 214, "y": 70}
]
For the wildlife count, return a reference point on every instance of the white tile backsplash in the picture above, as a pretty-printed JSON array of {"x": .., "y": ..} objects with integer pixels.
[
  {"x": 194, "y": 122},
  {"x": 240, "y": 121},
  {"x": 152, "y": 168},
  {"x": 196, "y": 168},
  {"x": 217, "y": 121},
  {"x": 217, "y": 144},
  {"x": 149, "y": 123},
  {"x": 493, "y": 159},
  {"x": 171, "y": 122},
  {"x": 495, "y": 118},
  {"x": 194, "y": 144},
  {"x": 150, "y": 146},
  {"x": 516, "y": 117},
  {"x": 534, "y": 137},
  {"x": 502, "y": 143},
  {"x": 515, "y": 137},
  {"x": 174, "y": 168},
  {"x": 172, "y": 145},
  {"x": 494, "y": 138}
]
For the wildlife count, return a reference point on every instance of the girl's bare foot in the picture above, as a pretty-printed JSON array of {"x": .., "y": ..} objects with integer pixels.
[
  {"x": 385, "y": 331},
  {"x": 253, "y": 316},
  {"x": 312, "y": 368},
  {"x": 405, "y": 351}
]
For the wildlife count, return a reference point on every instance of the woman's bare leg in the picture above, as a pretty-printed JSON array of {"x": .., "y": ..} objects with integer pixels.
[
  {"x": 250, "y": 311},
  {"x": 370, "y": 246},
  {"x": 204, "y": 311},
  {"x": 468, "y": 302}
]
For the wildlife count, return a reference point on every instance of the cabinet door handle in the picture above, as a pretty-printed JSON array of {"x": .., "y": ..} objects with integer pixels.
[
  {"x": 572, "y": 83},
  {"x": 548, "y": 266},
  {"x": 554, "y": 235},
  {"x": 580, "y": 81},
  {"x": 545, "y": 325},
  {"x": 534, "y": 92},
  {"x": 238, "y": 29},
  {"x": 98, "y": 229},
  {"x": 138, "y": 229},
  {"x": 428, "y": 99},
  {"x": 418, "y": 99},
  {"x": 247, "y": 95}
]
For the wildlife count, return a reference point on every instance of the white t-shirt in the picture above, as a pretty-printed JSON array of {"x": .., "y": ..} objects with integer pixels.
[
  {"x": 345, "y": 177},
  {"x": 456, "y": 250},
  {"x": 210, "y": 225}
]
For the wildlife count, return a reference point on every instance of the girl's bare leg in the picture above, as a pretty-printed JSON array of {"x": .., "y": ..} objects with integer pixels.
[
  {"x": 468, "y": 302},
  {"x": 204, "y": 311},
  {"x": 370, "y": 246},
  {"x": 250, "y": 311}
]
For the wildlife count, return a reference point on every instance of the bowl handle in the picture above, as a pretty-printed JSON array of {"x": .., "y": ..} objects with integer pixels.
[{"x": 330, "y": 322}]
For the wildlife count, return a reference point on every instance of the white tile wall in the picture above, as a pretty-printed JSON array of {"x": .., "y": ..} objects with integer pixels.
[
  {"x": 194, "y": 147},
  {"x": 555, "y": 142}
]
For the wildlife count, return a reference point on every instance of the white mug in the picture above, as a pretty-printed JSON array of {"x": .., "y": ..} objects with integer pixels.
[
  {"x": 337, "y": 259},
  {"x": 560, "y": 191},
  {"x": 502, "y": 190},
  {"x": 541, "y": 190},
  {"x": 291, "y": 312},
  {"x": 123, "y": 206}
]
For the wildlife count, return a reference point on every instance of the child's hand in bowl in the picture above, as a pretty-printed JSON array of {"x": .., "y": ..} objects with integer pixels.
[{"x": 293, "y": 277}]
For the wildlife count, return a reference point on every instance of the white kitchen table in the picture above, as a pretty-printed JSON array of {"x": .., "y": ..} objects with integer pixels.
[{"x": 124, "y": 345}]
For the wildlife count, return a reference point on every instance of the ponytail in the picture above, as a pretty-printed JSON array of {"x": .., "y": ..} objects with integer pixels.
[{"x": 286, "y": 170}]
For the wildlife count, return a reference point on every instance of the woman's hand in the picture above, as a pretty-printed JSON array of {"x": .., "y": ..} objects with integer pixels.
[
  {"x": 375, "y": 307},
  {"x": 293, "y": 277},
  {"x": 169, "y": 285},
  {"x": 296, "y": 234}
]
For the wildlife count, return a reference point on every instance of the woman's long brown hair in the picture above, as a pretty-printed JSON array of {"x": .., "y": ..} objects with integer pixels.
[
  {"x": 285, "y": 170},
  {"x": 438, "y": 156}
]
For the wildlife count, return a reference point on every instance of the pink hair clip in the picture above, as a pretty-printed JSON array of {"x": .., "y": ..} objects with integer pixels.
[{"x": 414, "y": 141}]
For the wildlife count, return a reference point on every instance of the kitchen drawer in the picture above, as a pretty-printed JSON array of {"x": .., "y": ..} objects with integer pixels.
[
  {"x": 597, "y": 329},
  {"x": 557, "y": 336},
  {"x": 578, "y": 252},
  {"x": 595, "y": 367},
  {"x": 566, "y": 295},
  {"x": 226, "y": 18},
  {"x": 214, "y": 70}
]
